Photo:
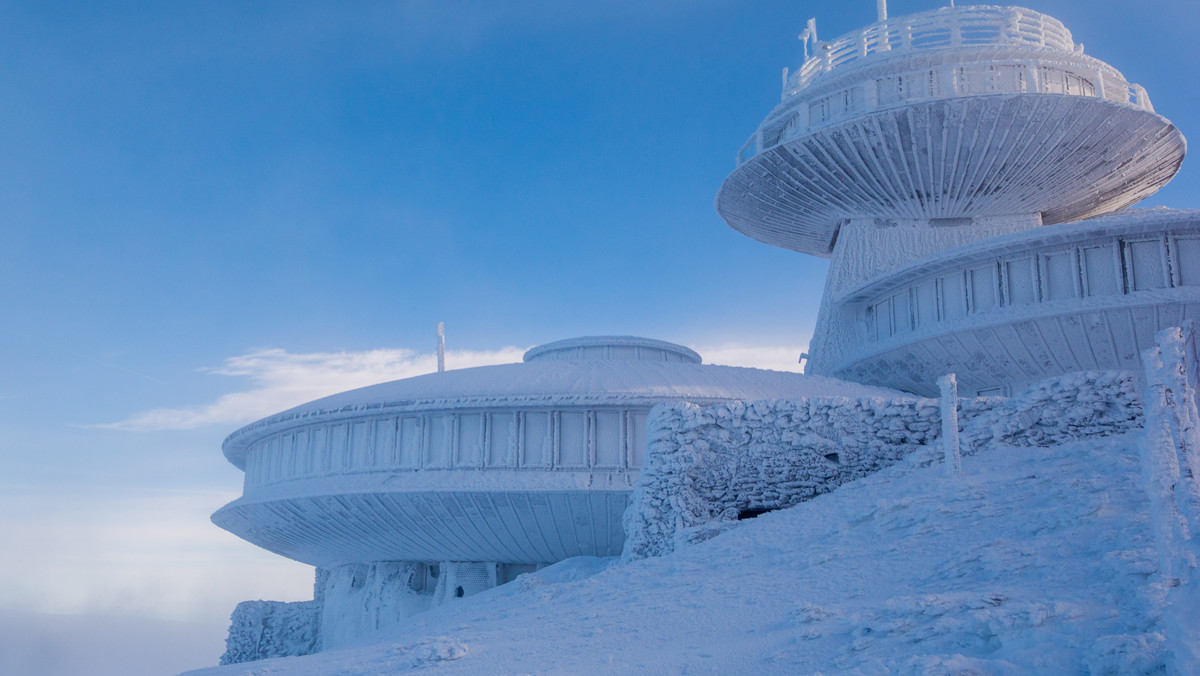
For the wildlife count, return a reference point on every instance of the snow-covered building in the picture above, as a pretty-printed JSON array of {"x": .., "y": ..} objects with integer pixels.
[
  {"x": 411, "y": 493},
  {"x": 926, "y": 156},
  {"x": 964, "y": 169}
]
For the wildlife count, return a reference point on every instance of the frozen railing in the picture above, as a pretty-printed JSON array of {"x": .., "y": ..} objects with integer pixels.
[
  {"x": 977, "y": 25},
  {"x": 1011, "y": 76},
  {"x": 1040, "y": 70}
]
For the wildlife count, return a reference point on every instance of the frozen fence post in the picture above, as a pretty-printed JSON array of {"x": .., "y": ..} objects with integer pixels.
[
  {"x": 953, "y": 456},
  {"x": 1169, "y": 461},
  {"x": 441, "y": 346},
  {"x": 1176, "y": 376}
]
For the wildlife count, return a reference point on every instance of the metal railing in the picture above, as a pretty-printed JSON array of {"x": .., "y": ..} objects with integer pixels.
[
  {"x": 943, "y": 28},
  {"x": 1026, "y": 76}
]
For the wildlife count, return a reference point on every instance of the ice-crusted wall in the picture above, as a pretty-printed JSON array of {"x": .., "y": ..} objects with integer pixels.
[
  {"x": 1055, "y": 411},
  {"x": 705, "y": 465},
  {"x": 351, "y": 601},
  {"x": 365, "y": 597},
  {"x": 260, "y": 630},
  {"x": 459, "y": 579}
]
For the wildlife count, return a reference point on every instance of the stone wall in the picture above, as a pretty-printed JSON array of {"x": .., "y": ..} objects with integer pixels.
[{"x": 705, "y": 466}]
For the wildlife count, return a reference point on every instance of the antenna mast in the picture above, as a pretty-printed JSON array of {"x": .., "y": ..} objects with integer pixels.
[
  {"x": 441, "y": 346},
  {"x": 881, "y": 9}
]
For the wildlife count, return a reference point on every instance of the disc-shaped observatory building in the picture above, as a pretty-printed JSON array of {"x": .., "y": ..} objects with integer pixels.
[
  {"x": 411, "y": 493},
  {"x": 964, "y": 170}
]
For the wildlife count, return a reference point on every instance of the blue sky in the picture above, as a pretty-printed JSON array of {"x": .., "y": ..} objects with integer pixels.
[{"x": 211, "y": 209}]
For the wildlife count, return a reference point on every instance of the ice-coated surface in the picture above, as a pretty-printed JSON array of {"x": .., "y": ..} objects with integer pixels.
[
  {"x": 361, "y": 598},
  {"x": 1006, "y": 310},
  {"x": 261, "y": 630},
  {"x": 708, "y": 464},
  {"x": 1171, "y": 471},
  {"x": 1037, "y": 560},
  {"x": 952, "y": 114},
  {"x": 549, "y": 383}
]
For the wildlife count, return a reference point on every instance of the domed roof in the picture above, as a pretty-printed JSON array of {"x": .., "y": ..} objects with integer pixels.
[
  {"x": 613, "y": 347},
  {"x": 591, "y": 370}
]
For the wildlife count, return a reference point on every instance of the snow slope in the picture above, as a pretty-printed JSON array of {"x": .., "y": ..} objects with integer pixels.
[{"x": 1036, "y": 560}]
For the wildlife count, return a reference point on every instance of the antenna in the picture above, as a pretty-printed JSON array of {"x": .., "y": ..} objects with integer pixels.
[
  {"x": 441, "y": 346},
  {"x": 881, "y": 9}
]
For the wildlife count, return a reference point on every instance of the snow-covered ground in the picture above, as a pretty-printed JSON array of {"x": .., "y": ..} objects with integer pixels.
[{"x": 1035, "y": 560}]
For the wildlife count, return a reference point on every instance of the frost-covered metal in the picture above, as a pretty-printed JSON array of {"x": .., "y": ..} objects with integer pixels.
[{"x": 924, "y": 154}]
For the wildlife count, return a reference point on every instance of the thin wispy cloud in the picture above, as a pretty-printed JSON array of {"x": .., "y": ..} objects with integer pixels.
[{"x": 280, "y": 379}]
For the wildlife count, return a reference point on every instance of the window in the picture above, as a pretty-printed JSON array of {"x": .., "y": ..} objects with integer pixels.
[
  {"x": 1187, "y": 261},
  {"x": 954, "y": 300},
  {"x": 901, "y": 312},
  {"x": 1144, "y": 265},
  {"x": 983, "y": 288},
  {"x": 1021, "y": 282},
  {"x": 1058, "y": 275},
  {"x": 1101, "y": 271},
  {"x": 926, "y": 298}
]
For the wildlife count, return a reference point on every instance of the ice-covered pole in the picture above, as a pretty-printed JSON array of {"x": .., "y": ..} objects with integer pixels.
[
  {"x": 881, "y": 9},
  {"x": 953, "y": 456},
  {"x": 441, "y": 346},
  {"x": 1169, "y": 466}
]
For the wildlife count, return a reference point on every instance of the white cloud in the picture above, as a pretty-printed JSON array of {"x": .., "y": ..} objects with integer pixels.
[{"x": 281, "y": 380}]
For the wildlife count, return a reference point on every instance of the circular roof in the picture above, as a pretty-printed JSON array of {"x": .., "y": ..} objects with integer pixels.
[{"x": 583, "y": 371}]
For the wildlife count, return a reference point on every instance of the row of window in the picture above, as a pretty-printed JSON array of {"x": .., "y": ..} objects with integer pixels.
[
  {"x": 1101, "y": 269},
  {"x": 923, "y": 85},
  {"x": 524, "y": 439}
]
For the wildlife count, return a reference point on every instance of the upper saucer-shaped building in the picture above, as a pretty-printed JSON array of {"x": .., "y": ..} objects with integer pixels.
[{"x": 902, "y": 149}]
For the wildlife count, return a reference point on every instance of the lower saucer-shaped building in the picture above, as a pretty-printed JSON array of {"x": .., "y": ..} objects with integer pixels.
[{"x": 413, "y": 492}]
